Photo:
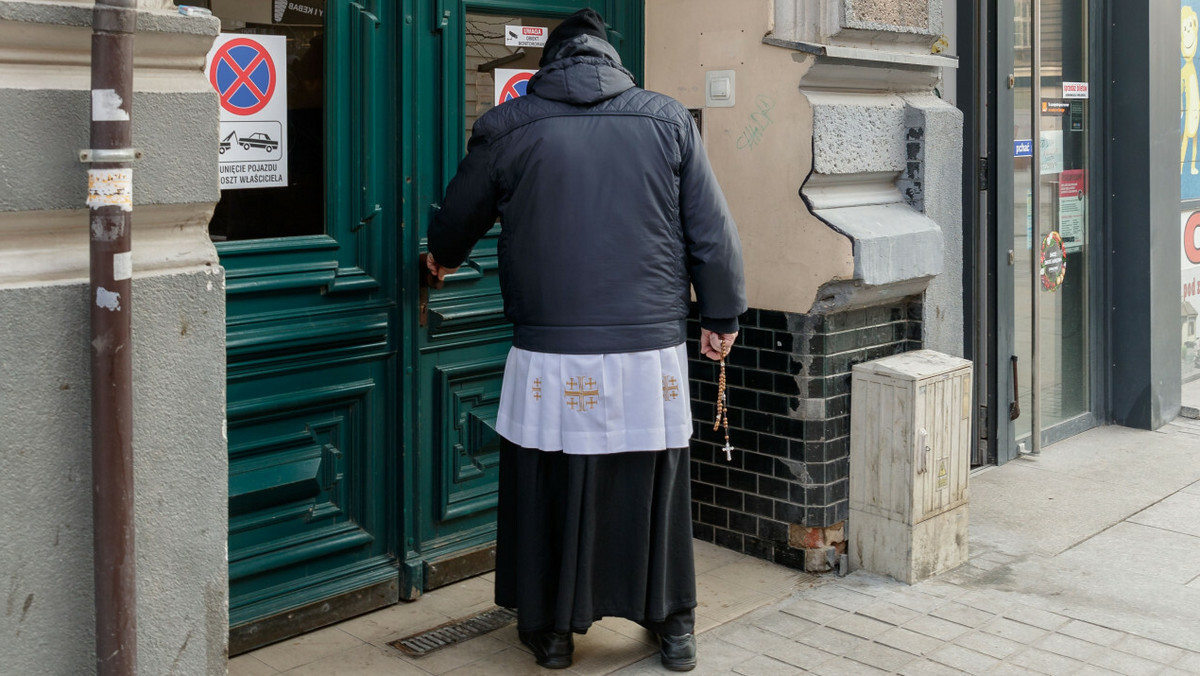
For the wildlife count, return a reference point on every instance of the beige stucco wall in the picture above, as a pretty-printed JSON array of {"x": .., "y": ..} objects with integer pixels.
[{"x": 760, "y": 149}]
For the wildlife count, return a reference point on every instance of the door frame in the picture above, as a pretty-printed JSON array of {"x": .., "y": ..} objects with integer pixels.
[{"x": 998, "y": 281}]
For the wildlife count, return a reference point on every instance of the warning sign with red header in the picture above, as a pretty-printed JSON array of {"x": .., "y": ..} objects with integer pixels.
[
  {"x": 249, "y": 73},
  {"x": 511, "y": 83},
  {"x": 526, "y": 36}
]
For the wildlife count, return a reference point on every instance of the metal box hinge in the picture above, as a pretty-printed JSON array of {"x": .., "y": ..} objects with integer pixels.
[
  {"x": 441, "y": 16},
  {"x": 982, "y": 175}
]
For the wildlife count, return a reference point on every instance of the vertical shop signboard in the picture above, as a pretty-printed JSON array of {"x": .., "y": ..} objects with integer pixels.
[
  {"x": 1189, "y": 100},
  {"x": 1190, "y": 294},
  {"x": 249, "y": 73},
  {"x": 1190, "y": 259},
  {"x": 1189, "y": 186}
]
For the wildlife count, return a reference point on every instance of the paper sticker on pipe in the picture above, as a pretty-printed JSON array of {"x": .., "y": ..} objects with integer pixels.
[
  {"x": 110, "y": 188},
  {"x": 106, "y": 106},
  {"x": 122, "y": 266},
  {"x": 109, "y": 300}
]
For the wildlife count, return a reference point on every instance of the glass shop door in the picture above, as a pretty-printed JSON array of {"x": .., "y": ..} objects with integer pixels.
[{"x": 1047, "y": 225}]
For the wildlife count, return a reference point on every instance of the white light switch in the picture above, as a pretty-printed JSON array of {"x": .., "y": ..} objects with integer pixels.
[{"x": 719, "y": 90}]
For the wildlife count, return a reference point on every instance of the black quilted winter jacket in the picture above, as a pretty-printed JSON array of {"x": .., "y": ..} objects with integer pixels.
[{"x": 608, "y": 211}]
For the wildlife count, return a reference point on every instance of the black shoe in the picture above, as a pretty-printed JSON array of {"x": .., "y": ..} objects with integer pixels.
[
  {"x": 678, "y": 652},
  {"x": 550, "y": 648}
]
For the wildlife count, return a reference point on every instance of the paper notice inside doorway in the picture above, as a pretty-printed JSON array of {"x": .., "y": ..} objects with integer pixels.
[{"x": 1072, "y": 208}]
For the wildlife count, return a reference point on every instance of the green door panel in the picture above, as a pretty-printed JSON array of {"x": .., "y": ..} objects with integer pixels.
[
  {"x": 457, "y": 356},
  {"x": 313, "y": 371},
  {"x": 303, "y": 478}
]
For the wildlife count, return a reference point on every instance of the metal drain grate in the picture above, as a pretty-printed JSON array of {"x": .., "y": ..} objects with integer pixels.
[{"x": 454, "y": 632}]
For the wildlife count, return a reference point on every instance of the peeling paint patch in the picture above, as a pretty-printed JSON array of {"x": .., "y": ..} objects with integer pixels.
[
  {"x": 798, "y": 471},
  {"x": 109, "y": 300},
  {"x": 106, "y": 106},
  {"x": 225, "y": 429},
  {"x": 210, "y": 285},
  {"x": 122, "y": 265},
  {"x": 110, "y": 188},
  {"x": 107, "y": 232}
]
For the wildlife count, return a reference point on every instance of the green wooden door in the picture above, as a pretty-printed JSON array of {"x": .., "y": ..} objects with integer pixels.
[
  {"x": 312, "y": 346},
  {"x": 461, "y": 337}
]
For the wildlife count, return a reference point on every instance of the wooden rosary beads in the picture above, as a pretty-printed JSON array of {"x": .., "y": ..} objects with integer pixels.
[{"x": 723, "y": 403}]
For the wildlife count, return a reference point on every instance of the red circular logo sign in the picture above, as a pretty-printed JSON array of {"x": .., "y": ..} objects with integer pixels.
[
  {"x": 243, "y": 73},
  {"x": 1190, "y": 248}
]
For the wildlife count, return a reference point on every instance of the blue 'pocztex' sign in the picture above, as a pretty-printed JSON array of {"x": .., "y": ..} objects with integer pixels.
[{"x": 1023, "y": 148}]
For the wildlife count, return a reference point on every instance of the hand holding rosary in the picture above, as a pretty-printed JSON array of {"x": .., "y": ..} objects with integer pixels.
[{"x": 723, "y": 402}]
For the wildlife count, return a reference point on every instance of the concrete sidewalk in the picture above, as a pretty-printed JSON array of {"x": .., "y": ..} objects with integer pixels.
[{"x": 1084, "y": 560}]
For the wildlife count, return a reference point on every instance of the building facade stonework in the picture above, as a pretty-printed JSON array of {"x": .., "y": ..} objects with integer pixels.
[
  {"x": 838, "y": 158},
  {"x": 841, "y": 165},
  {"x": 178, "y": 336}
]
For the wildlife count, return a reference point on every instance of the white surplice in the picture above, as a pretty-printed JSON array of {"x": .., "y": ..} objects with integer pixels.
[{"x": 591, "y": 404}]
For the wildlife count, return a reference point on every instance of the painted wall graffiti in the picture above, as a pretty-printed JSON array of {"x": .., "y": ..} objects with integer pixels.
[{"x": 756, "y": 126}]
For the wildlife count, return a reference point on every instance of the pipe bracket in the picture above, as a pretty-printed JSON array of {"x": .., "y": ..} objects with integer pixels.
[{"x": 110, "y": 154}]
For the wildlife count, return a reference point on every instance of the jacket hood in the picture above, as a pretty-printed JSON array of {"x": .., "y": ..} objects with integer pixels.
[{"x": 584, "y": 70}]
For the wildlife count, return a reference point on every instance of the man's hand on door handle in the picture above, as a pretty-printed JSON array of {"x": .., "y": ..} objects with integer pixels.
[{"x": 432, "y": 273}]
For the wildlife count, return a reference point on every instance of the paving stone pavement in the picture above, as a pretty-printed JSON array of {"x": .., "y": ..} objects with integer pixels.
[{"x": 1085, "y": 560}]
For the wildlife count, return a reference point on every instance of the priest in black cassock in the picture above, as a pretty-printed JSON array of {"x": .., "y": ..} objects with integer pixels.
[{"x": 610, "y": 217}]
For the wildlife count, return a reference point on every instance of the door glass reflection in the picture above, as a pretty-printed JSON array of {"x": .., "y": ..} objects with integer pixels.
[
  {"x": 1063, "y": 324},
  {"x": 1057, "y": 242},
  {"x": 299, "y": 207},
  {"x": 492, "y": 58},
  {"x": 1022, "y": 207}
]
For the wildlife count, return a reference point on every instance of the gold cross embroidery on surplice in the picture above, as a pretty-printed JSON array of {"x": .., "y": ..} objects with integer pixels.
[
  {"x": 537, "y": 389},
  {"x": 582, "y": 394},
  {"x": 670, "y": 388}
]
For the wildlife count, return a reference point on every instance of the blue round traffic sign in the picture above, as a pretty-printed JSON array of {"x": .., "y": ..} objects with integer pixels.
[{"x": 243, "y": 73}]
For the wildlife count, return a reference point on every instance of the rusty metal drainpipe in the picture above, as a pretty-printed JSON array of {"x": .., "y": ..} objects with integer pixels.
[{"x": 110, "y": 208}]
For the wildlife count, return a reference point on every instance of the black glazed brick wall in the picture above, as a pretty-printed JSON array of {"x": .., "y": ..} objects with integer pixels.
[{"x": 789, "y": 421}]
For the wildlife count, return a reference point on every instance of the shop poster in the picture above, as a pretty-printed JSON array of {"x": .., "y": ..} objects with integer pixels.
[
  {"x": 1189, "y": 100},
  {"x": 1052, "y": 151},
  {"x": 1072, "y": 208},
  {"x": 1190, "y": 257},
  {"x": 1190, "y": 295}
]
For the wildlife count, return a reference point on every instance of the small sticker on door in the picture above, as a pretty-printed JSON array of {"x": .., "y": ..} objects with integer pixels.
[
  {"x": 943, "y": 479},
  {"x": 526, "y": 36},
  {"x": 1075, "y": 90}
]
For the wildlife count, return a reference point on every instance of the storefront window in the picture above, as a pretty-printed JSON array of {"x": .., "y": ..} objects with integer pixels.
[
  {"x": 1189, "y": 190},
  {"x": 272, "y": 163}
]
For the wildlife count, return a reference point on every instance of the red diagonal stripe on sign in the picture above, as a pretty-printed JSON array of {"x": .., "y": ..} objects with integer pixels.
[{"x": 243, "y": 76}]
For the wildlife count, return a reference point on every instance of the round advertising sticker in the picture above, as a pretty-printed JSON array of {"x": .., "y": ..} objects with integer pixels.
[{"x": 1054, "y": 261}]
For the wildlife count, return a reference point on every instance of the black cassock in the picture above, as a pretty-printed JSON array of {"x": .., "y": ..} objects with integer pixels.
[{"x": 583, "y": 537}]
